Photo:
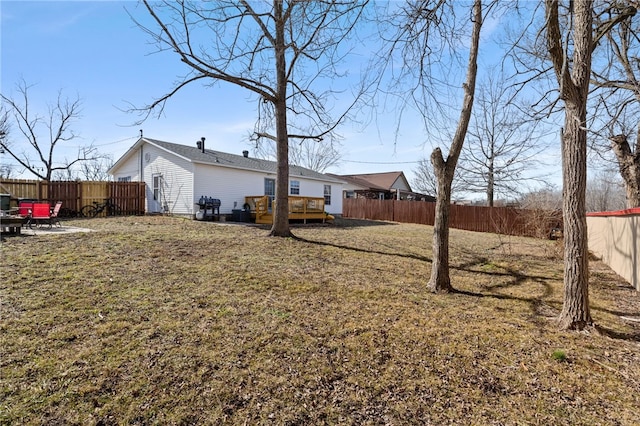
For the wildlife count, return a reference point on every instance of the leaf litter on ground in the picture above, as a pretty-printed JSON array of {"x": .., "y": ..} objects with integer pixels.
[{"x": 165, "y": 320}]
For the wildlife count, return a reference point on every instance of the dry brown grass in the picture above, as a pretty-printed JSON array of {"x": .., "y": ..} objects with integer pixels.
[{"x": 169, "y": 321}]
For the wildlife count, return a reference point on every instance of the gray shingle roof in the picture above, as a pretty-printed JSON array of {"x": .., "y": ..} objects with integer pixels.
[{"x": 218, "y": 158}]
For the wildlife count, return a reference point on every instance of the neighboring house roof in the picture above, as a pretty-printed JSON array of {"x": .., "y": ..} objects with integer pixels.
[
  {"x": 223, "y": 159},
  {"x": 357, "y": 181},
  {"x": 377, "y": 181}
]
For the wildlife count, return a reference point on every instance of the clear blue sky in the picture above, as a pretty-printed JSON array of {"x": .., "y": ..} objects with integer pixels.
[{"x": 94, "y": 50}]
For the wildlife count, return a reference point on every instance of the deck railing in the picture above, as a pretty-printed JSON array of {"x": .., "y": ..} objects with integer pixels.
[{"x": 300, "y": 207}]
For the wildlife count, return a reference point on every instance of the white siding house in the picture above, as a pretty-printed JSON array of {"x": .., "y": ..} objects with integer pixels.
[{"x": 176, "y": 176}]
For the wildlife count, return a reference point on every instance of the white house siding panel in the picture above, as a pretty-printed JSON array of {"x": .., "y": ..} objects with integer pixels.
[
  {"x": 401, "y": 185},
  {"x": 129, "y": 169},
  {"x": 315, "y": 188},
  {"x": 231, "y": 185},
  {"x": 177, "y": 181},
  {"x": 228, "y": 185}
]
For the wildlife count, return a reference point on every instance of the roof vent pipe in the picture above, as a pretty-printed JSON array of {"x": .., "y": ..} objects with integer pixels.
[
  {"x": 245, "y": 153},
  {"x": 200, "y": 144}
]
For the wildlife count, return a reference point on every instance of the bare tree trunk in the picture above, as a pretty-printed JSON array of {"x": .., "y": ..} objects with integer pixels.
[
  {"x": 284, "y": 50},
  {"x": 573, "y": 82},
  {"x": 575, "y": 310},
  {"x": 280, "y": 226},
  {"x": 440, "y": 281},
  {"x": 490, "y": 182},
  {"x": 629, "y": 163}
]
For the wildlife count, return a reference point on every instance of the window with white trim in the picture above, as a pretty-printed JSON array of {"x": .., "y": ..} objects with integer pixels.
[
  {"x": 294, "y": 187},
  {"x": 327, "y": 195}
]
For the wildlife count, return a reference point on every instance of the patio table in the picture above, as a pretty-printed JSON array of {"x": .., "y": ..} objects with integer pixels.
[{"x": 11, "y": 224}]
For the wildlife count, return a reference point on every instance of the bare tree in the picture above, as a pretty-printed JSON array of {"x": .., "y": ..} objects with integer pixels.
[
  {"x": 629, "y": 165},
  {"x": 605, "y": 192},
  {"x": 565, "y": 49},
  {"x": 277, "y": 51},
  {"x": 571, "y": 40},
  {"x": 30, "y": 148},
  {"x": 309, "y": 153},
  {"x": 429, "y": 34},
  {"x": 445, "y": 169},
  {"x": 616, "y": 78},
  {"x": 503, "y": 144},
  {"x": 4, "y": 125},
  {"x": 425, "y": 179},
  {"x": 91, "y": 170},
  {"x": 548, "y": 198},
  {"x": 571, "y": 57},
  {"x": 5, "y": 169},
  {"x": 96, "y": 170}
]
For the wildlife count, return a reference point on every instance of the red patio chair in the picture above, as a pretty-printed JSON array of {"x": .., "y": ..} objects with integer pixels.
[
  {"x": 53, "y": 220},
  {"x": 40, "y": 213},
  {"x": 24, "y": 209}
]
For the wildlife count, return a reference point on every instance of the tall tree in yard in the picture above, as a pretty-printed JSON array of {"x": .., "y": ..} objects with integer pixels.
[
  {"x": 570, "y": 52},
  {"x": 616, "y": 78},
  {"x": 573, "y": 74},
  {"x": 430, "y": 35},
  {"x": 277, "y": 51},
  {"x": 444, "y": 169},
  {"x": 503, "y": 145}
]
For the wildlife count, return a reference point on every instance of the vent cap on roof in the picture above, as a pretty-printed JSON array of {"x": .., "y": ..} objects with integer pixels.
[{"x": 200, "y": 144}]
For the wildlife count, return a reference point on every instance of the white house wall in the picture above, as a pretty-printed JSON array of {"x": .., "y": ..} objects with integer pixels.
[
  {"x": 185, "y": 182},
  {"x": 177, "y": 179},
  {"x": 230, "y": 186},
  {"x": 400, "y": 184},
  {"x": 130, "y": 169},
  {"x": 314, "y": 188}
]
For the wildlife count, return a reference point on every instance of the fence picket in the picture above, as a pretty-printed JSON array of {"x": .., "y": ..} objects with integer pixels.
[
  {"x": 128, "y": 196},
  {"x": 501, "y": 220}
]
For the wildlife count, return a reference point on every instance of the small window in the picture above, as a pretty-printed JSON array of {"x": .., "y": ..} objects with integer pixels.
[
  {"x": 327, "y": 195},
  {"x": 124, "y": 179},
  {"x": 294, "y": 187}
]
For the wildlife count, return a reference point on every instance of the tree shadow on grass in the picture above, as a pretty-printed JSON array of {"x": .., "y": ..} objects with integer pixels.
[
  {"x": 358, "y": 223},
  {"x": 539, "y": 306},
  {"x": 542, "y": 308},
  {"x": 361, "y": 250}
]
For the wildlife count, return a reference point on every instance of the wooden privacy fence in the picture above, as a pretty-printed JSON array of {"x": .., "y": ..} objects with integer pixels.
[
  {"x": 128, "y": 196},
  {"x": 502, "y": 220}
]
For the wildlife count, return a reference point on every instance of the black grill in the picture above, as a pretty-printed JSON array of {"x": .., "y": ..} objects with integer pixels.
[{"x": 210, "y": 208}]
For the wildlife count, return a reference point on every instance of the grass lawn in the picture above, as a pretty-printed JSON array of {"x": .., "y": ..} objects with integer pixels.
[{"x": 158, "y": 320}]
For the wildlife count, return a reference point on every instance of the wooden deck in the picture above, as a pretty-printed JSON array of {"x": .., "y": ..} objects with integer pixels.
[{"x": 300, "y": 208}]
